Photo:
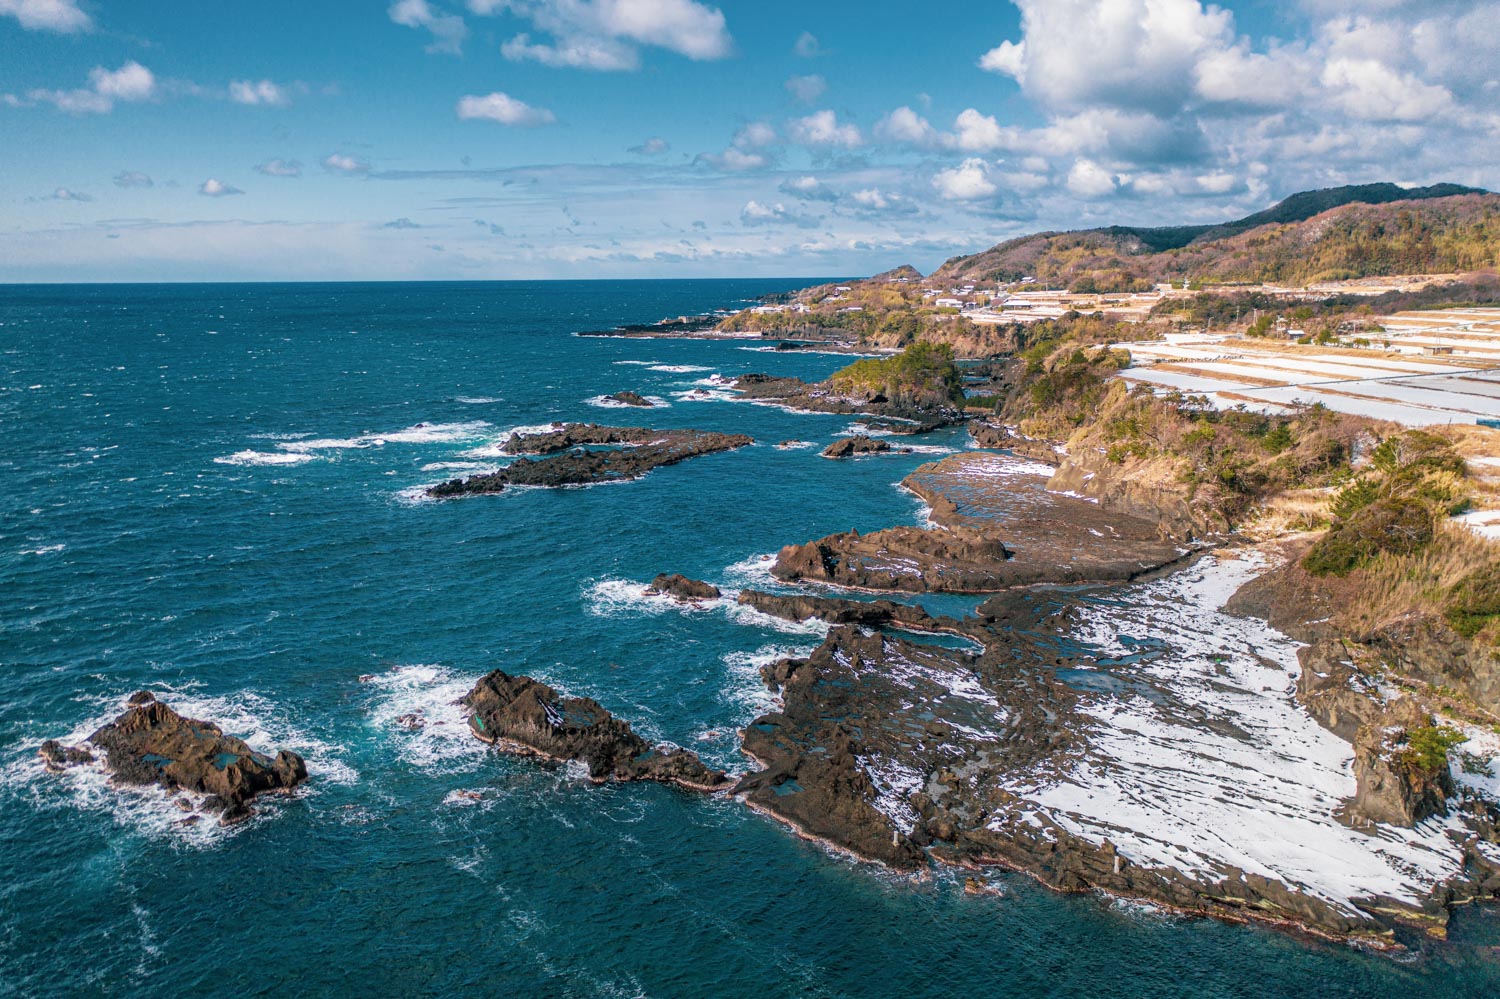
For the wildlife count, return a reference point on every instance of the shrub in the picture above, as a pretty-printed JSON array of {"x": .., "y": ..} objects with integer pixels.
[
  {"x": 1474, "y": 601},
  {"x": 1390, "y": 526},
  {"x": 1427, "y": 747},
  {"x": 1354, "y": 497}
]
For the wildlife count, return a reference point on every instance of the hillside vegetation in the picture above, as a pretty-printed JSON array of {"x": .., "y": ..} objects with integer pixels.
[{"x": 1428, "y": 231}]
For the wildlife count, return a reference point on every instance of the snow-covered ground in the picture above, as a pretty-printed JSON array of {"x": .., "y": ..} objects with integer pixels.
[{"x": 1220, "y": 766}]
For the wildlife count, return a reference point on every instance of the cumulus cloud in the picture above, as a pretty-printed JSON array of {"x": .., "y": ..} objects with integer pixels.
[
  {"x": 807, "y": 188},
  {"x": 654, "y": 146},
  {"x": 1372, "y": 91},
  {"x": 872, "y": 201},
  {"x": 807, "y": 46},
  {"x": 63, "y": 16},
  {"x": 503, "y": 108},
  {"x": 264, "y": 92},
  {"x": 448, "y": 30},
  {"x": 755, "y": 213},
  {"x": 348, "y": 165},
  {"x": 213, "y": 188},
  {"x": 131, "y": 83},
  {"x": 822, "y": 129},
  {"x": 279, "y": 168},
  {"x": 1088, "y": 179},
  {"x": 904, "y": 125},
  {"x": 750, "y": 149},
  {"x": 64, "y": 194},
  {"x": 133, "y": 178},
  {"x": 806, "y": 88},
  {"x": 607, "y": 35},
  {"x": 969, "y": 181}
]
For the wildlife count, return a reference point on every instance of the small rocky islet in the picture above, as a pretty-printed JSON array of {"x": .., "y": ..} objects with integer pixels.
[{"x": 151, "y": 744}]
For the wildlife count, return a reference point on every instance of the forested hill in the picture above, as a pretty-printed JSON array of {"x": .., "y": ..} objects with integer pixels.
[{"x": 1344, "y": 232}]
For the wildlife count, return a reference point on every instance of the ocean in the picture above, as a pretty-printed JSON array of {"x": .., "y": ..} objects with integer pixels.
[{"x": 214, "y": 492}]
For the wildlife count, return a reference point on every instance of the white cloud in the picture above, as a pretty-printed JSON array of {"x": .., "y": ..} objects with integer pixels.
[
  {"x": 448, "y": 30},
  {"x": 976, "y": 133},
  {"x": 132, "y": 82},
  {"x": 264, "y": 92},
  {"x": 755, "y": 135},
  {"x": 133, "y": 178},
  {"x": 735, "y": 160},
  {"x": 1088, "y": 179},
  {"x": 872, "y": 201},
  {"x": 504, "y": 109},
  {"x": 904, "y": 125},
  {"x": 754, "y": 213},
  {"x": 807, "y": 188},
  {"x": 605, "y": 34},
  {"x": 821, "y": 129},
  {"x": 62, "y": 16},
  {"x": 807, "y": 45},
  {"x": 339, "y": 163},
  {"x": 1372, "y": 91},
  {"x": 601, "y": 54},
  {"x": 279, "y": 168},
  {"x": 1264, "y": 80},
  {"x": 969, "y": 181},
  {"x": 1140, "y": 53},
  {"x": 654, "y": 146},
  {"x": 806, "y": 88},
  {"x": 64, "y": 194},
  {"x": 217, "y": 189}
]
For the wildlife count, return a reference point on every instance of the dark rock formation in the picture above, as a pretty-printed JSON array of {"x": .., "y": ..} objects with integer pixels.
[
  {"x": 631, "y": 399},
  {"x": 912, "y": 559},
  {"x": 817, "y": 397},
  {"x": 528, "y": 717},
  {"x": 152, "y": 744},
  {"x": 682, "y": 588},
  {"x": 835, "y": 610},
  {"x": 848, "y": 447},
  {"x": 568, "y": 463}
]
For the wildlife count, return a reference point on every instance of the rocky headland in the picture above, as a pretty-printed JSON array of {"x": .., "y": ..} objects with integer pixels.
[
  {"x": 618, "y": 454},
  {"x": 150, "y": 744}
]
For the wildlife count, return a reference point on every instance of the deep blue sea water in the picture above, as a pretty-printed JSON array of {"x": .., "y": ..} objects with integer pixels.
[{"x": 208, "y": 491}]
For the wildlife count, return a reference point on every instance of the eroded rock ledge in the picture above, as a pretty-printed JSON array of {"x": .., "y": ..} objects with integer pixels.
[
  {"x": 152, "y": 744},
  {"x": 633, "y": 452},
  {"x": 525, "y": 716}
]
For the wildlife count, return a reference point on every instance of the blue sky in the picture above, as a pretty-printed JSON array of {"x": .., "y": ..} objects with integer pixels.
[{"x": 659, "y": 138}]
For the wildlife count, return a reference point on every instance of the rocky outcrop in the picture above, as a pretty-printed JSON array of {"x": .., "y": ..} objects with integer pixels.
[
  {"x": 817, "y": 397},
  {"x": 1393, "y": 782},
  {"x": 848, "y": 447},
  {"x": 911, "y": 559},
  {"x": 645, "y": 450},
  {"x": 527, "y": 717},
  {"x": 836, "y": 610},
  {"x": 683, "y": 589},
  {"x": 631, "y": 399},
  {"x": 152, "y": 744}
]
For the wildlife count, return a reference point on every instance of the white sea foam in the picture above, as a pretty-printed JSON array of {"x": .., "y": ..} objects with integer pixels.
[
  {"x": 495, "y": 447},
  {"x": 644, "y": 364},
  {"x": 254, "y": 458},
  {"x": 417, "y": 708},
  {"x": 420, "y": 433},
  {"x": 43, "y": 550},
  {"x": 795, "y": 445},
  {"x": 706, "y": 395},
  {"x": 624, "y": 598},
  {"x": 752, "y": 572},
  {"x": 678, "y": 369},
  {"x": 746, "y": 689},
  {"x": 475, "y": 400}
]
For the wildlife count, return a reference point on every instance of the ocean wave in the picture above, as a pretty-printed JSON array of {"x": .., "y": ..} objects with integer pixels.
[
  {"x": 476, "y": 400},
  {"x": 795, "y": 445},
  {"x": 43, "y": 550},
  {"x": 622, "y": 598},
  {"x": 752, "y": 572},
  {"x": 745, "y": 689},
  {"x": 705, "y": 395},
  {"x": 417, "y": 708},
  {"x": 643, "y": 364},
  {"x": 254, "y": 458},
  {"x": 678, "y": 369},
  {"x": 418, "y": 433}
]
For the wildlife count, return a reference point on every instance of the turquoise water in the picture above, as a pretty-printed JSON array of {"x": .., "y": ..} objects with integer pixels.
[{"x": 209, "y": 491}]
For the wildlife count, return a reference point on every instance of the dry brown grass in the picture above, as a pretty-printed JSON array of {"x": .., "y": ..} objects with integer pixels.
[{"x": 1391, "y": 587}]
